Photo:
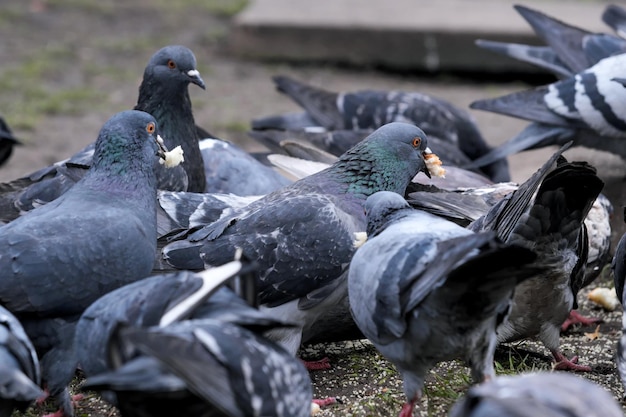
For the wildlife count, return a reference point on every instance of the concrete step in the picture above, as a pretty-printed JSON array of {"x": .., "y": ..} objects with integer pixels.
[{"x": 423, "y": 35}]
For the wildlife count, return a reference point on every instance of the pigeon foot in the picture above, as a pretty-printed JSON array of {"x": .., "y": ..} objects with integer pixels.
[
  {"x": 564, "y": 364},
  {"x": 577, "y": 318}
]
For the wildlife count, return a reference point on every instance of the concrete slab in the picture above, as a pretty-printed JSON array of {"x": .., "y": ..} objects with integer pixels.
[{"x": 429, "y": 35}]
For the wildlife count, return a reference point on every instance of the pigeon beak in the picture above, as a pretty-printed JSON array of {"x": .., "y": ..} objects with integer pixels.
[
  {"x": 161, "y": 147},
  {"x": 194, "y": 77},
  {"x": 425, "y": 168}
]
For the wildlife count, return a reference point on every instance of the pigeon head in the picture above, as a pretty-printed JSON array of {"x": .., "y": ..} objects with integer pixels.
[
  {"x": 379, "y": 207},
  {"x": 387, "y": 159},
  {"x": 128, "y": 139},
  {"x": 173, "y": 65}
]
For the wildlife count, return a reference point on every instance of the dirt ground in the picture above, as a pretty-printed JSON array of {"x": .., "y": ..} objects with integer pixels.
[{"x": 66, "y": 66}]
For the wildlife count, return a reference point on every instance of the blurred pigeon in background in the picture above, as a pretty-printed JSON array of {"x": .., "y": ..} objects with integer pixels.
[
  {"x": 586, "y": 106},
  {"x": 99, "y": 235},
  {"x": 546, "y": 394},
  {"x": 426, "y": 290},
  {"x": 230, "y": 169},
  {"x": 369, "y": 109}
]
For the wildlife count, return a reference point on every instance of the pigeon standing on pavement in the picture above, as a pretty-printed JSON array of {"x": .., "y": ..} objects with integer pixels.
[
  {"x": 99, "y": 235},
  {"x": 550, "y": 222},
  {"x": 370, "y": 109},
  {"x": 425, "y": 290},
  {"x": 19, "y": 367},
  {"x": 586, "y": 106},
  {"x": 7, "y": 141},
  {"x": 302, "y": 235},
  {"x": 546, "y": 394}
]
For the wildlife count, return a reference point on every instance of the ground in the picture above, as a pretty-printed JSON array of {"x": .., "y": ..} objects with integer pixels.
[{"x": 68, "y": 65}]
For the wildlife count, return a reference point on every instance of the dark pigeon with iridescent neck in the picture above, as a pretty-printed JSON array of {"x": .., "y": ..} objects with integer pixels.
[
  {"x": 302, "y": 235},
  {"x": 99, "y": 235},
  {"x": 164, "y": 94}
]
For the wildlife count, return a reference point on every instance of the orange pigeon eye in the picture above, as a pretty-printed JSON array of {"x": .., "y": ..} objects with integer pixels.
[
  {"x": 150, "y": 127},
  {"x": 171, "y": 64},
  {"x": 417, "y": 141}
]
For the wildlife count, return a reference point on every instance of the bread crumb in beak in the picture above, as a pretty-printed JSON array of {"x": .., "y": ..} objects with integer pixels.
[
  {"x": 433, "y": 163},
  {"x": 359, "y": 239},
  {"x": 173, "y": 158}
]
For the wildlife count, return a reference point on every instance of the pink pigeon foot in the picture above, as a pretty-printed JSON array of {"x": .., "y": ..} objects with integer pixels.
[
  {"x": 577, "y": 318},
  {"x": 564, "y": 364},
  {"x": 323, "y": 402},
  {"x": 317, "y": 365},
  {"x": 407, "y": 409}
]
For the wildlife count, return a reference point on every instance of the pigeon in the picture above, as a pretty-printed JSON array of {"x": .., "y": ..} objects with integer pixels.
[
  {"x": 302, "y": 235},
  {"x": 7, "y": 141},
  {"x": 126, "y": 338},
  {"x": 618, "y": 267},
  {"x": 546, "y": 394},
  {"x": 230, "y": 169},
  {"x": 585, "y": 106},
  {"x": 19, "y": 367},
  {"x": 151, "y": 301},
  {"x": 370, "y": 109},
  {"x": 226, "y": 370},
  {"x": 424, "y": 290},
  {"x": 546, "y": 214},
  {"x": 99, "y": 235},
  {"x": 163, "y": 93}
]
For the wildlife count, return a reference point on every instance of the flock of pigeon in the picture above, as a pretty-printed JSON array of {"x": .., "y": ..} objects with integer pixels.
[{"x": 188, "y": 290}]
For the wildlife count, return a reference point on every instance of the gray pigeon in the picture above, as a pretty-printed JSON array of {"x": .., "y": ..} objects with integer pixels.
[
  {"x": 302, "y": 235},
  {"x": 619, "y": 276},
  {"x": 19, "y": 367},
  {"x": 585, "y": 107},
  {"x": 426, "y": 290},
  {"x": 130, "y": 340},
  {"x": 99, "y": 235},
  {"x": 545, "y": 394},
  {"x": 226, "y": 370},
  {"x": 370, "y": 109},
  {"x": 550, "y": 222},
  {"x": 146, "y": 302}
]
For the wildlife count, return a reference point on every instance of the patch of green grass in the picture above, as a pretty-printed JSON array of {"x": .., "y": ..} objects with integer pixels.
[
  {"x": 26, "y": 96},
  {"x": 101, "y": 7},
  {"x": 235, "y": 126},
  {"x": 222, "y": 8}
]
